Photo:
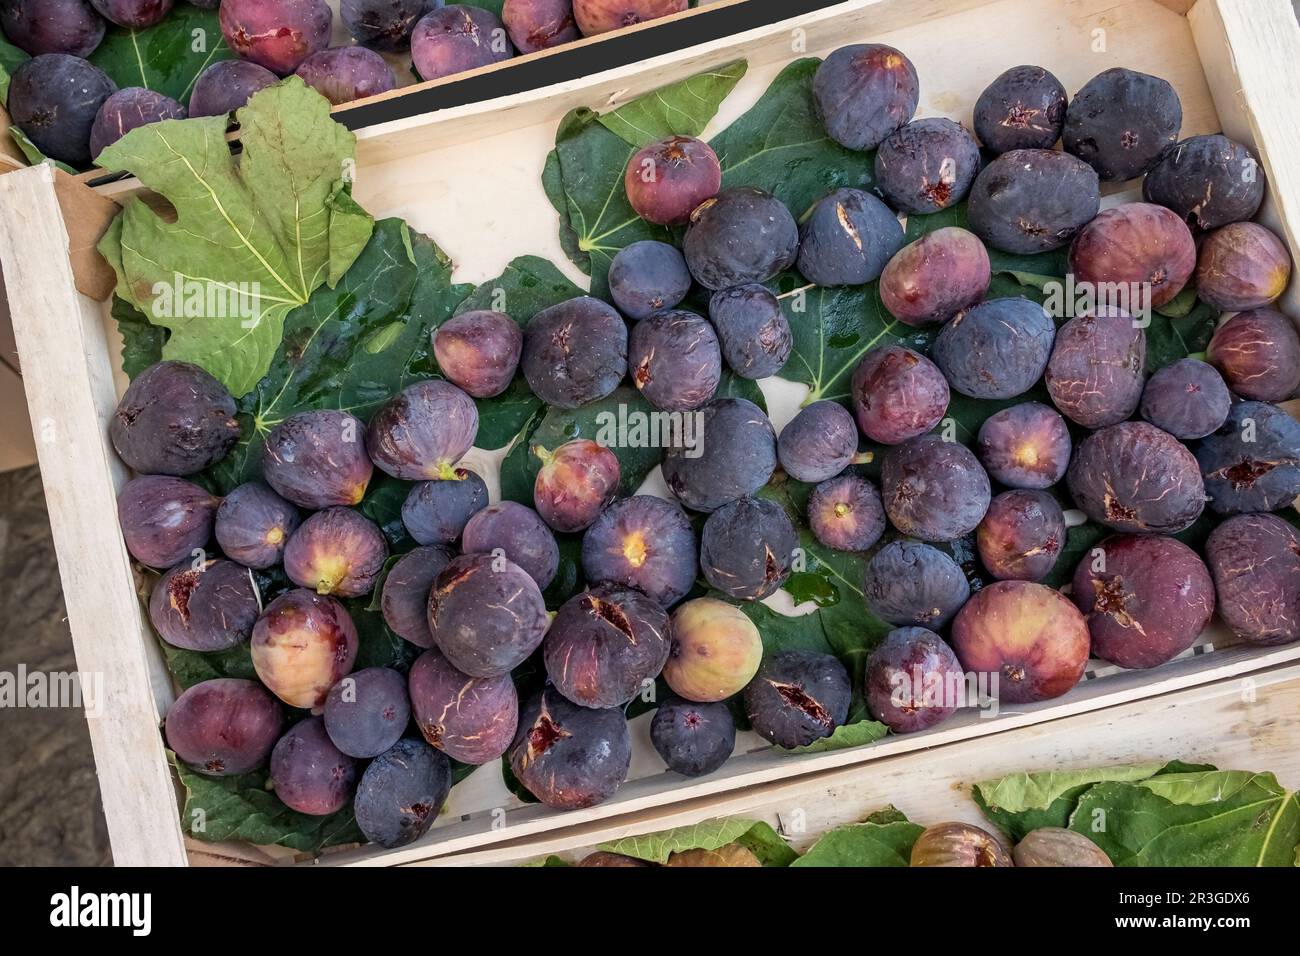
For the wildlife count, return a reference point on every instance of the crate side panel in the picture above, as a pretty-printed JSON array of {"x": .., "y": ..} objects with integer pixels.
[{"x": 68, "y": 374}]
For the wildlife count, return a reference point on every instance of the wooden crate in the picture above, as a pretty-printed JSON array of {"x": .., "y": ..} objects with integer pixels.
[
  {"x": 1249, "y": 724},
  {"x": 470, "y": 177}
]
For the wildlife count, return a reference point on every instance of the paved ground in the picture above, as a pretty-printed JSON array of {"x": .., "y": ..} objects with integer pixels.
[{"x": 49, "y": 798}]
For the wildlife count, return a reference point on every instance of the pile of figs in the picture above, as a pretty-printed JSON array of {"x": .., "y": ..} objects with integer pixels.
[{"x": 1184, "y": 471}]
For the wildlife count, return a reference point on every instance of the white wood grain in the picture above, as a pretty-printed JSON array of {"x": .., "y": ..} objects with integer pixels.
[{"x": 68, "y": 374}]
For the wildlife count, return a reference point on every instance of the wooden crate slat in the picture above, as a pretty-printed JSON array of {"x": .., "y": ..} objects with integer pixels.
[
  {"x": 933, "y": 786},
  {"x": 68, "y": 375}
]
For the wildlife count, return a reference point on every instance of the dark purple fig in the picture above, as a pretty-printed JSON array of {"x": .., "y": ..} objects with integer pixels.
[
  {"x": 913, "y": 680},
  {"x": 1033, "y": 200},
  {"x": 575, "y": 484},
  {"x": 470, "y": 719},
  {"x": 405, "y": 601},
  {"x": 279, "y": 35},
  {"x": 798, "y": 697},
  {"x": 1242, "y": 266},
  {"x": 1021, "y": 536},
  {"x": 1024, "y": 108},
  {"x": 303, "y": 644},
  {"x": 456, "y": 38},
  {"x": 864, "y": 92},
  {"x": 1252, "y": 463},
  {"x": 675, "y": 360},
  {"x": 818, "y": 443},
  {"x": 1146, "y": 598},
  {"x": 1121, "y": 122},
  {"x": 669, "y": 179},
  {"x": 909, "y": 583},
  {"x": 1095, "y": 373},
  {"x": 516, "y": 532},
  {"x": 933, "y": 489},
  {"x": 1029, "y": 641},
  {"x": 347, "y": 73},
  {"x": 937, "y": 276},
  {"x": 423, "y": 432},
  {"x": 367, "y": 711},
  {"x": 753, "y": 331},
  {"x": 539, "y": 24},
  {"x": 479, "y": 351},
  {"x": 996, "y": 350},
  {"x": 732, "y": 454},
  {"x": 693, "y": 739},
  {"x": 1133, "y": 477},
  {"x": 648, "y": 277},
  {"x": 336, "y": 551},
  {"x": 1258, "y": 355},
  {"x": 309, "y": 774},
  {"x": 606, "y": 645},
  {"x": 1209, "y": 181},
  {"x": 224, "y": 727},
  {"x": 1255, "y": 561},
  {"x": 747, "y": 548},
  {"x": 741, "y": 235},
  {"x": 383, "y": 24},
  {"x": 174, "y": 419},
  {"x": 129, "y": 109},
  {"x": 134, "y": 14},
  {"x": 253, "y": 525},
  {"x": 436, "y": 512},
  {"x": 602, "y": 16},
  {"x": 1188, "y": 399},
  {"x": 486, "y": 614},
  {"x": 570, "y": 757},
  {"x": 402, "y": 792},
  {"x": 227, "y": 86},
  {"x": 205, "y": 605},
  {"x": 1025, "y": 446},
  {"x": 898, "y": 394},
  {"x": 54, "y": 99},
  {"x": 846, "y": 513},
  {"x": 847, "y": 239},
  {"x": 52, "y": 26},
  {"x": 575, "y": 352},
  {"x": 960, "y": 845},
  {"x": 1138, "y": 247},
  {"x": 165, "y": 520},
  {"x": 927, "y": 165},
  {"x": 318, "y": 459},
  {"x": 645, "y": 543}
]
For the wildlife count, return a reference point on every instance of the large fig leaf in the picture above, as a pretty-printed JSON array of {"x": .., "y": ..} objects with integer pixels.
[
  {"x": 353, "y": 346},
  {"x": 682, "y": 109},
  {"x": 252, "y": 240},
  {"x": 1207, "y": 818},
  {"x": 781, "y": 146},
  {"x": 884, "y": 839},
  {"x": 583, "y": 177},
  {"x": 756, "y": 836},
  {"x": 11, "y": 58},
  {"x": 1020, "y": 802},
  {"x": 167, "y": 57}
]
